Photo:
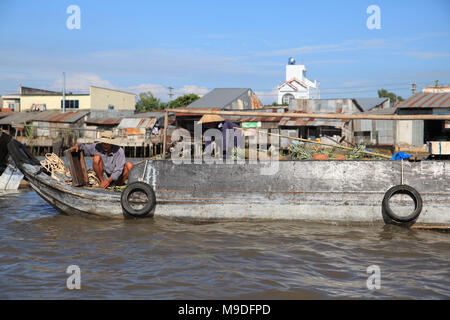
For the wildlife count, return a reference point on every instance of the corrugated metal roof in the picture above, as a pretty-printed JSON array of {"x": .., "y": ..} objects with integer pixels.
[
  {"x": 17, "y": 118},
  {"x": 47, "y": 116},
  {"x": 56, "y": 116},
  {"x": 218, "y": 98},
  {"x": 5, "y": 114},
  {"x": 144, "y": 123},
  {"x": 104, "y": 121},
  {"x": 151, "y": 114},
  {"x": 367, "y": 104},
  {"x": 388, "y": 111},
  {"x": 342, "y": 105},
  {"x": 426, "y": 100}
]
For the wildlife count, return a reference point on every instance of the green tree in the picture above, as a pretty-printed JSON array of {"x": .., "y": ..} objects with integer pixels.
[
  {"x": 148, "y": 102},
  {"x": 383, "y": 93},
  {"x": 183, "y": 101}
]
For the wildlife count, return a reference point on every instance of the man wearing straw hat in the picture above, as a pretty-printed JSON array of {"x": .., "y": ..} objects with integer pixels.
[
  {"x": 109, "y": 160},
  {"x": 216, "y": 121}
]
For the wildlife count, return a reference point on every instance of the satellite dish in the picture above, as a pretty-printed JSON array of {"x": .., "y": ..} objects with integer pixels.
[{"x": 291, "y": 60}]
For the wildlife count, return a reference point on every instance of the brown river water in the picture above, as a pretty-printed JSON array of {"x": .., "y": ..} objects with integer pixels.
[{"x": 162, "y": 258}]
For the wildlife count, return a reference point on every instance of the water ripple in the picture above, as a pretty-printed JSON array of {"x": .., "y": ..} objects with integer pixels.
[{"x": 167, "y": 259}]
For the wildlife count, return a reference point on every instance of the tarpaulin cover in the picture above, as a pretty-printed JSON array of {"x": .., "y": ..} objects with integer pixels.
[{"x": 400, "y": 156}]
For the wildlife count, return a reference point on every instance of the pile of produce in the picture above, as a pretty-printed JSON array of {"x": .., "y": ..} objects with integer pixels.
[{"x": 307, "y": 151}]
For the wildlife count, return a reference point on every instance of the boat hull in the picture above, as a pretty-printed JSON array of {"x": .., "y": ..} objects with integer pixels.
[{"x": 340, "y": 191}]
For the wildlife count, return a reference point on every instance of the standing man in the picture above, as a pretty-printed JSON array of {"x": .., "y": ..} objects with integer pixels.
[
  {"x": 217, "y": 122},
  {"x": 109, "y": 160}
]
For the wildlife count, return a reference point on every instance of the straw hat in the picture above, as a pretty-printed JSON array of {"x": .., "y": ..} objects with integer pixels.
[
  {"x": 107, "y": 137},
  {"x": 207, "y": 118}
]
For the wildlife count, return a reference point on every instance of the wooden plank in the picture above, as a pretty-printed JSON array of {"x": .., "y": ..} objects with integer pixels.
[
  {"x": 77, "y": 168},
  {"x": 315, "y": 115},
  {"x": 166, "y": 124},
  {"x": 440, "y": 147},
  {"x": 83, "y": 168}
]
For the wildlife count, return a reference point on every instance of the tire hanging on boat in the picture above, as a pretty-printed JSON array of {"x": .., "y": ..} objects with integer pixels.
[
  {"x": 147, "y": 209},
  {"x": 403, "y": 189}
]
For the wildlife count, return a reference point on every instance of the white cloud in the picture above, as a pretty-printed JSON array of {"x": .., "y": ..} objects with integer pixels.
[
  {"x": 188, "y": 89},
  {"x": 162, "y": 92},
  {"x": 81, "y": 82}
]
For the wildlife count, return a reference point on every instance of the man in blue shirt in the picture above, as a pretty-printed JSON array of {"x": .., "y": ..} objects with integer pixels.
[{"x": 216, "y": 121}]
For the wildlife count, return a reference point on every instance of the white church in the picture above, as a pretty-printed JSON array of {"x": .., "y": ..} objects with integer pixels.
[{"x": 297, "y": 86}]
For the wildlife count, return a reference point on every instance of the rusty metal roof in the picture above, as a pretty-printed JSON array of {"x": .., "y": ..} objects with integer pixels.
[
  {"x": 426, "y": 100},
  {"x": 104, "y": 121},
  {"x": 137, "y": 123},
  {"x": 47, "y": 116},
  {"x": 5, "y": 114},
  {"x": 17, "y": 118},
  {"x": 57, "y": 116}
]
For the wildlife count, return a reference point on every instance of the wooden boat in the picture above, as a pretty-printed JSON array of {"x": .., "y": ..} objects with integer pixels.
[
  {"x": 327, "y": 191},
  {"x": 10, "y": 179},
  {"x": 10, "y": 176}
]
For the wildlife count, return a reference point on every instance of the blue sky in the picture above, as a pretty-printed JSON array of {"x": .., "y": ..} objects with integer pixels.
[{"x": 199, "y": 45}]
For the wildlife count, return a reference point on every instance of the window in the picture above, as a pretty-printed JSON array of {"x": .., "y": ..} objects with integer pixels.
[
  {"x": 110, "y": 107},
  {"x": 71, "y": 104},
  {"x": 11, "y": 106},
  {"x": 287, "y": 98}
]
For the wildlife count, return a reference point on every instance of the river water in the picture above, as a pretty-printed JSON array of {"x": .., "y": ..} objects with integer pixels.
[{"x": 161, "y": 258}]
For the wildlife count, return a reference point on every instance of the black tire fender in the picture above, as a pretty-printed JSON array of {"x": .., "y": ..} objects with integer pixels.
[
  {"x": 403, "y": 189},
  {"x": 148, "y": 208}
]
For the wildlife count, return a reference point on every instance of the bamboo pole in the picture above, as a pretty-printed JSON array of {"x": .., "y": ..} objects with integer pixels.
[
  {"x": 166, "y": 124},
  {"x": 314, "y": 115},
  {"x": 316, "y": 142}
]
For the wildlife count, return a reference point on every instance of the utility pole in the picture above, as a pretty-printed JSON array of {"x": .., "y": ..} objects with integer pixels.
[
  {"x": 64, "y": 92},
  {"x": 170, "y": 93},
  {"x": 413, "y": 87}
]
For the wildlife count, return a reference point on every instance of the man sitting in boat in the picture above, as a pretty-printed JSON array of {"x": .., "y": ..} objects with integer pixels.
[{"x": 109, "y": 160}]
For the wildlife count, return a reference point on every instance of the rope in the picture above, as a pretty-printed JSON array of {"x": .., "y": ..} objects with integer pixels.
[
  {"x": 52, "y": 163},
  {"x": 92, "y": 178}
]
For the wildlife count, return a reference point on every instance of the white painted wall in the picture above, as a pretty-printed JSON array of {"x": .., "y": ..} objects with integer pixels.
[
  {"x": 410, "y": 132},
  {"x": 312, "y": 90}
]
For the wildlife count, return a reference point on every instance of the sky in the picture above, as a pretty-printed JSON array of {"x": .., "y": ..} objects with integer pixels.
[{"x": 195, "y": 46}]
